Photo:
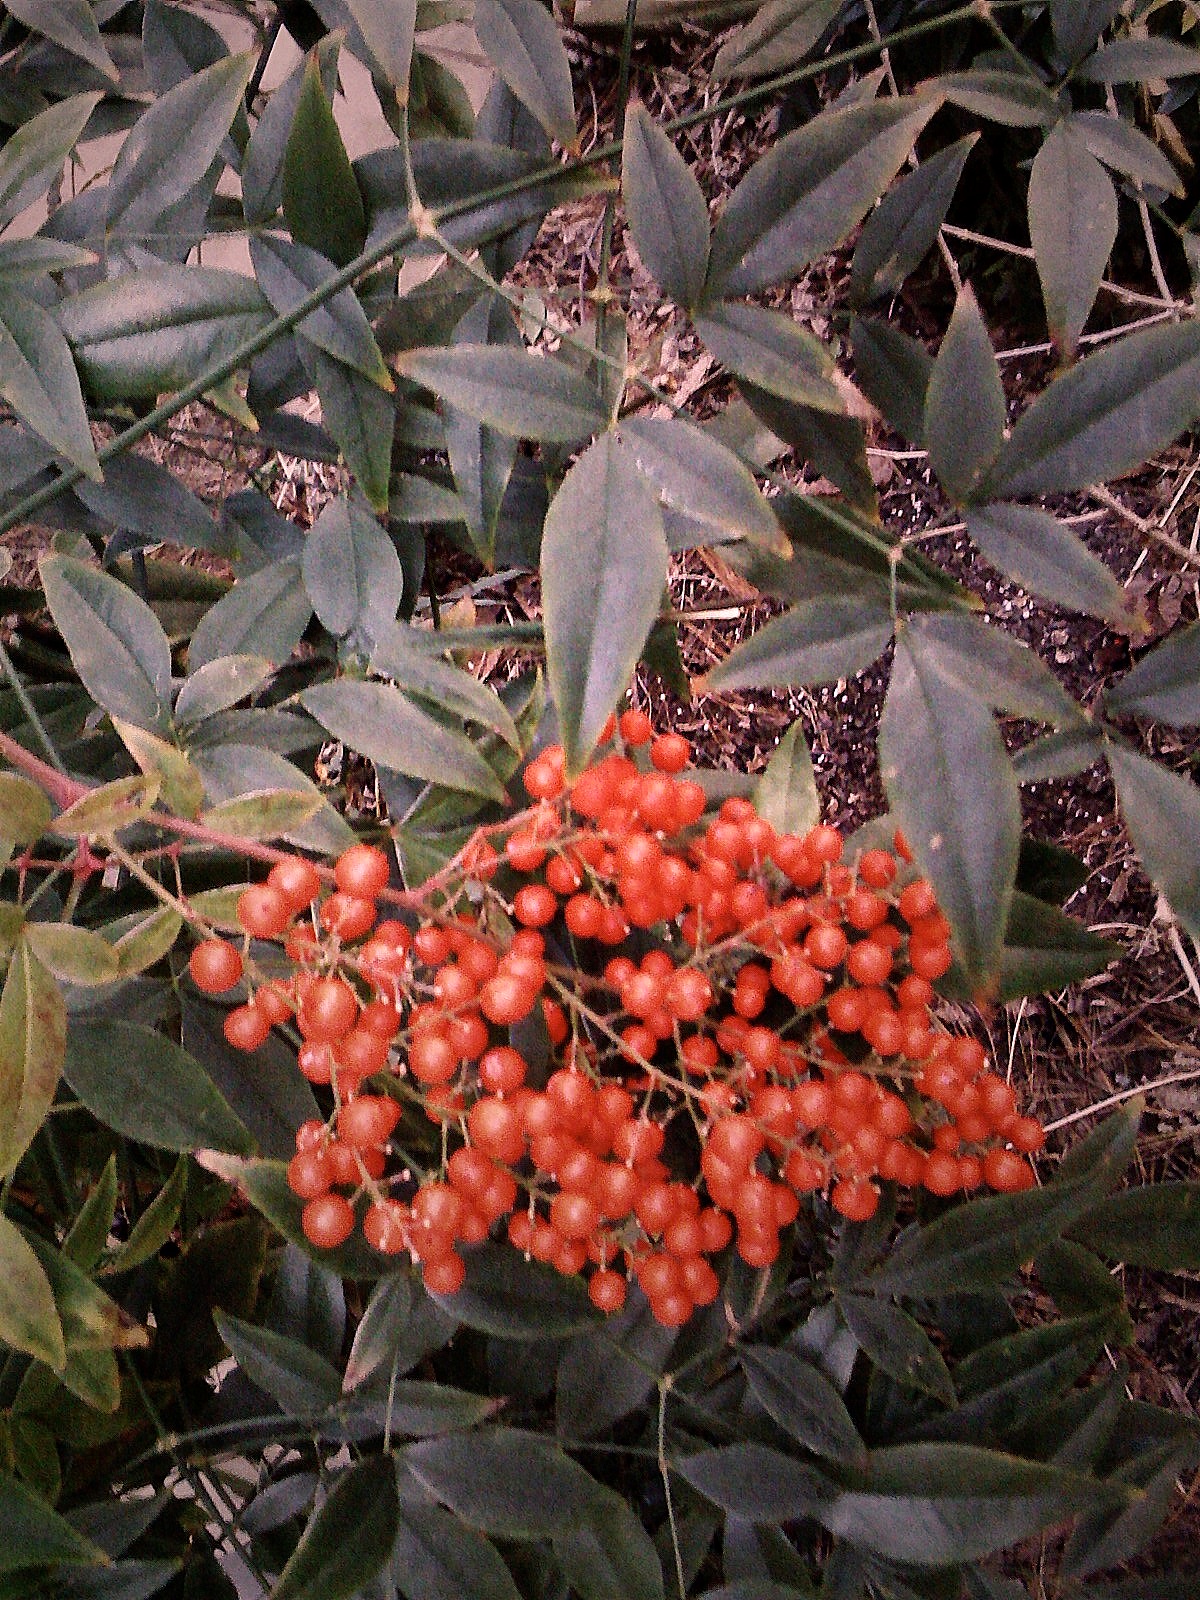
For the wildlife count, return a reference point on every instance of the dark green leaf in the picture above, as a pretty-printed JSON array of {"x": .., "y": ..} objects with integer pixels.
[
  {"x": 505, "y": 1481},
  {"x": 797, "y": 1395},
  {"x": 300, "y": 1381},
  {"x": 29, "y": 1320},
  {"x": 808, "y": 191},
  {"x": 22, "y": 259},
  {"x": 699, "y": 477},
  {"x": 1044, "y": 950},
  {"x": 84, "y": 1244},
  {"x": 610, "y": 1556},
  {"x": 264, "y": 614},
  {"x": 32, "y": 1043},
  {"x": 183, "y": 320},
  {"x": 348, "y": 1539},
  {"x": 964, "y": 405},
  {"x": 835, "y": 445},
  {"x": 1044, "y": 556},
  {"x": 155, "y": 1225},
  {"x": 262, "y": 166},
  {"x": 771, "y": 351},
  {"x": 1135, "y": 60},
  {"x": 1165, "y": 684},
  {"x": 786, "y": 793},
  {"x": 1015, "y": 99},
  {"x": 893, "y": 369},
  {"x": 436, "y": 1557},
  {"x": 781, "y": 34},
  {"x": 1057, "y": 755},
  {"x": 905, "y": 225},
  {"x": 1156, "y": 1225},
  {"x": 381, "y": 723},
  {"x": 898, "y": 1345},
  {"x": 1161, "y": 811},
  {"x": 32, "y": 1535},
  {"x": 387, "y": 27},
  {"x": 403, "y": 654},
  {"x": 995, "y": 667},
  {"x": 321, "y": 198},
  {"x": 1121, "y": 146},
  {"x": 145, "y": 498},
  {"x": 667, "y": 214},
  {"x": 116, "y": 644},
  {"x": 139, "y": 1083},
  {"x": 758, "y": 1483},
  {"x": 39, "y": 381},
  {"x": 359, "y": 415},
  {"x": 1106, "y": 1539},
  {"x": 1106, "y": 415},
  {"x": 605, "y": 1373},
  {"x": 481, "y": 458},
  {"x": 521, "y": 40},
  {"x": 817, "y": 641},
  {"x": 287, "y": 272},
  {"x": 604, "y": 569},
  {"x": 1072, "y": 226},
  {"x": 71, "y": 24},
  {"x": 352, "y": 573},
  {"x": 952, "y": 789},
  {"x": 33, "y": 156},
  {"x": 513, "y": 391},
  {"x": 517, "y": 1299},
  {"x": 218, "y": 685}
]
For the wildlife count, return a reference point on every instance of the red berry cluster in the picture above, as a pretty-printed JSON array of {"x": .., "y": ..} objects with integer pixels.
[{"x": 738, "y": 1018}]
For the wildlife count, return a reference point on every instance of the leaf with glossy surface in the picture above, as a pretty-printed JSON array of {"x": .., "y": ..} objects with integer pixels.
[
  {"x": 1105, "y": 416},
  {"x": 382, "y": 724},
  {"x": 521, "y": 40},
  {"x": 604, "y": 569},
  {"x": 667, "y": 214},
  {"x": 264, "y": 614},
  {"x": 904, "y": 227},
  {"x": 952, "y": 789},
  {"x": 34, "y": 155},
  {"x": 33, "y": 1029},
  {"x": 1046, "y": 557},
  {"x": 349, "y": 1537},
  {"x": 139, "y": 1083},
  {"x": 771, "y": 351},
  {"x": 898, "y": 1345},
  {"x": 1161, "y": 811},
  {"x": 321, "y": 198},
  {"x": 782, "y": 33},
  {"x": 818, "y": 641},
  {"x": 39, "y": 381},
  {"x": 1072, "y": 227},
  {"x": 1156, "y": 1225},
  {"x": 513, "y": 391},
  {"x": 835, "y": 445},
  {"x": 805, "y": 194},
  {"x": 71, "y": 24},
  {"x": 352, "y": 572},
  {"x": 29, "y": 1319},
  {"x": 298, "y": 1379},
  {"x": 116, "y": 644},
  {"x": 964, "y": 405},
  {"x": 797, "y": 1396},
  {"x": 505, "y": 1481},
  {"x": 786, "y": 793},
  {"x": 1165, "y": 683},
  {"x": 698, "y": 476},
  {"x": 287, "y": 272}
]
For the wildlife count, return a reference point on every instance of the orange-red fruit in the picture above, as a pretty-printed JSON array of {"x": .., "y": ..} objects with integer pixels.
[
  {"x": 328, "y": 1010},
  {"x": 362, "y": 871},
  {"x": 297, "y": 881},
  {"x": 263, "y": 911},
  {"x": 246, "y": 1028},
  {"x": 670, "y": 752},
  {"x": 607, "y": 1290},
  {"x": 215, "y": 966},
  {"x": 327, "y": 1221}
]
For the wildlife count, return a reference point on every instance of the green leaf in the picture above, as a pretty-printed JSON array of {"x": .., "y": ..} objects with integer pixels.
[
  {"x": 71, "y": 24},
  {"x": 698, "y": 476},
  {"x": 817, "y": 641},
  {"x": 140, "y": 1084},
  {"x": 835, "y": 445},
  {"x": 359, "y": 415},
  {"x": 1106, "y": 1538},
  {"x": 264, "y": 614},
  {"x": 1123, "y": 148},
  {"x": 1161, "y": 812},
  {"x": 91, "y": 1321},
  {"x": 893, "y": 369},
  {"x": 964, "y": 405},
  {"x": 797, "y": 1396},
  {"x": 995, "y": 668},
  {"x": 1135, "y": 60},
  {"x": 604, "y": 569},
  {"x": 481, "y": 459},
  {"x": 109, "y": 808},
  {"x": 218, "y": 685},
  {"x": 605, "y": 1373},
  {"x": 286, "y": 273},
  {"x": 85, "y": 1243},
  {"x": 436, "y": 1557},
  {"x": 771, "y": 351},
  {"x": 33, "y": 156},
  {"x": 513, "y": 391},
  {"x": 33, "y": 1028},
  {"x": 953, "y": 791},
  {"x": 238, "y": 778},
  {"x": 301, "y": 1382},
  {"x": 904, "y": 227},
  {"x": 24, "y": 810},
  {"x": 155, "y": 1225},
  {"x": 758, "y": 1483},
  {"x": 321, "y": 198},
  {"x": 116, "y": 644},
  {"x": 382, "y": 724},
  {"x": 1072, "y": 227},
  {"x": 71, "y": 954},
  {"x": 349, "y": 1537},
  {"x": 808, "y": 191},
  {"x": 521, "y": 40},
  {"x": 416, "y": 499},
  {"x": 29, "y": 1319},
  {"x": 405, "y": 655},
  {"x": 1015, "y": 99},
  {"x": 1044, "y": 556},
  {"x": 935, "y": 1504},
  {"x": 179, "y": 785},
  {"x": 352, "y": 572},
  {"x": 898, "y": 1345},
  {"x": 505, "y": 1481},
  {"x": 39, "y": 381},
  {"x": 262, "y": 164},
  {"x": 173, "y": 144},
  {"x": 145, "y": 498},
  {"x": 32, "y": 1535},
  {"x": 1009, "y": 1381},
  {"x": 1044, "y": 949},
  {"x": 667, "y": 214},
  {"x": 1156, "y": 1225},
  {"x": 183, "y": 320},
  {"x": 781, "y": 34},
  {"x": 610, "y": 1556},
  {"x": 263, "y": 814},
  {"x": 517, "y": 1299},
  {"x": 786, "y": 793},
  {"x": 23, "y": 259},
  {"x": 1165, "y": 683},
  {"x": 387, "y": 27},
  {"x": 1105, "y": 416}
]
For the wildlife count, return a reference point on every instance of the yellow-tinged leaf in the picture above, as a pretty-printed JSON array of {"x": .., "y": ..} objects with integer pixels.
[
  {"x": 265, "y": 814},
  {"x": 24, "y": 809},
  {"x": 111, "y": 807},
  {"x": 28, "y": 1316},
  {"x": 180, "y": 785},
  {"x": 73, "y": 955},
  {"x": 33, "y": 1042},
  {"x": 141, "y": 941}
]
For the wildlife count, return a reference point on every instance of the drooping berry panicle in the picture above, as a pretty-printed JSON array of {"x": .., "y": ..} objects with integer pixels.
[{"x": 719, "y": 1022}]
